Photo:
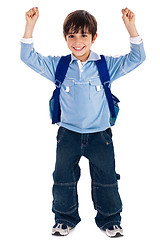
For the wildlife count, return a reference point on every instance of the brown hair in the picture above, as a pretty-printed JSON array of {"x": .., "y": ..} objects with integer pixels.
[{"x": 80, "y": 20}]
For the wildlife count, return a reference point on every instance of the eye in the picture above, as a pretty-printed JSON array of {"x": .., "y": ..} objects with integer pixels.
[
  {"x": 71, "y": 36},
  {"x": 84, "y": 35}
]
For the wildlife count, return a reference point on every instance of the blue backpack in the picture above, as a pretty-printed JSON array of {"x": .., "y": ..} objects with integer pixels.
[{"x": 54, "y": 104}]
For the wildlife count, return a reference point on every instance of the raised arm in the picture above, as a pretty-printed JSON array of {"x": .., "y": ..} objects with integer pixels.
[
  {"x": 31, "y": 18},
  {"x": 119, "y": 66},
  {"x": 129, "y": 22},
  {"x": 43, "y": 65}
]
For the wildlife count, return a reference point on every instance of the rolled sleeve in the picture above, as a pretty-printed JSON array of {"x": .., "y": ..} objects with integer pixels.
[
  {"x": 27, "y": 40},
  {"x": 136, "y": 40}
]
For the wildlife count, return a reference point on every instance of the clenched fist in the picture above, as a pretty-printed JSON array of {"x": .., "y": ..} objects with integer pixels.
[
  {"x": 32, "y": 15},
  {"x": 129, "y": 21},
  {"x": 31, "y": 18}
]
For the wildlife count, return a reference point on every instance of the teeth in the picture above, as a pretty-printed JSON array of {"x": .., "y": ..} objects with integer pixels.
[{"x": 78, "y": 48}]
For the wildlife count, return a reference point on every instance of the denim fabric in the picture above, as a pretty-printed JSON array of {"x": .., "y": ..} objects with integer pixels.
[{"x": 98, "y": 149}]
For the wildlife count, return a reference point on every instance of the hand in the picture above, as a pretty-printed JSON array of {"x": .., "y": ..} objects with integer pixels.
[
  {"x": 32, "y": 16},
  {"x": 129, "y": 21},
  {"x": 128, "y": 16}
]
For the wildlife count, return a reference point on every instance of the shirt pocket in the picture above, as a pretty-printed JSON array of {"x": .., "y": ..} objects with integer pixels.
[
  {"x": 95, "y": 87},
  {"x": 68, "y": 87}
]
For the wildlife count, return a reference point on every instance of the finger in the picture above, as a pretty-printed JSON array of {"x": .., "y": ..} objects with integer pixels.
[
  {"x": 35, "y": 9},
  {"x": 128, "y": 15},
  {"x": 125, "y": 12},
  {"x": 29, "y": 13},
  {"x": 33, "y": 12},
  {"x": 130, "y": 11},
  {"x": 131, "y": 15}
]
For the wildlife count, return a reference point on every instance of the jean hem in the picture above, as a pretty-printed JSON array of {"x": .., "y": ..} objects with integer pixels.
[
  {"x": 109, "y": 214},
  {"x": 110, "y": 224},
  {"x": 64, "y": 221},
  {"x": 69, "y": 212}
]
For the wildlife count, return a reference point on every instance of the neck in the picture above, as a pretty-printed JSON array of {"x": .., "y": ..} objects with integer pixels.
[{"x": 83, "y": 58}]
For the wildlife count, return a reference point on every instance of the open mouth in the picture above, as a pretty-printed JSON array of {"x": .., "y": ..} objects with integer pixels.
[{"x": 78, "y": 49}]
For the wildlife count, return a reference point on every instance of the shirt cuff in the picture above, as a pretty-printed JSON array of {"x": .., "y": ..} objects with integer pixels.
[
  {"x": 136, "y": 40},
  {"x": 27, "y": 40}
]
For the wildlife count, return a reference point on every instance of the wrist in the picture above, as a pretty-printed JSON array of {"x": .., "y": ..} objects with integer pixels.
[
  {"x": 134, "y": 34},
  {"x": 28, "y": 30},
  {"x": 133, "y": 31}
]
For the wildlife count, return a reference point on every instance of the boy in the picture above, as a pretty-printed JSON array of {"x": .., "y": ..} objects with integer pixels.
[{"x": 84, "y": 127}]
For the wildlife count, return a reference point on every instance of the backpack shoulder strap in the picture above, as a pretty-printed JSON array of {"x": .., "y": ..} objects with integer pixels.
[
  {"x": 61, "y": 69},
  {"x": 103, "y": 70},
  {"x": 105, "y": 79},
  {"x": 60, "y": 74}
]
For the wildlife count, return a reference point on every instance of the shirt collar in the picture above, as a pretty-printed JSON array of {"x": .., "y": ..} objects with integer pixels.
[{"x": 92, "y": 57}]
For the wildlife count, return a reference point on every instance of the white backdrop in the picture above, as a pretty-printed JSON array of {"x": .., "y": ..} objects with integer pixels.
[{"x": 28, "y": 140}]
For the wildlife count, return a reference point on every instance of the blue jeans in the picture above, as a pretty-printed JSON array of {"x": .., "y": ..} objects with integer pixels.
[{"x": 98, "y": 149}]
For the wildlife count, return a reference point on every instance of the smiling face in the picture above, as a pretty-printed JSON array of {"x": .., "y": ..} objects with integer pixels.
[{"x": 80, "y": 44}]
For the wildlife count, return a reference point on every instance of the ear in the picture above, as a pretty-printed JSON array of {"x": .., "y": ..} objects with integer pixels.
[
  {"x": 64, "y": 37},
  {"x": 94, "y": 38}
]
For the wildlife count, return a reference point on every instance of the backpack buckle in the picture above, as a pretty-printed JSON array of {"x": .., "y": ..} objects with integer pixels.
[
  {"x": 107, "y": 83},
  {"x": 58, "y": 83}
]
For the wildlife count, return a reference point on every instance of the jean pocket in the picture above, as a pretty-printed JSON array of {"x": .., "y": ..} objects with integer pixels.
[
  {"x": 60, "y": 134},
  {"x": 107, "y": 136},
  {"x": 118, "y": 176}
]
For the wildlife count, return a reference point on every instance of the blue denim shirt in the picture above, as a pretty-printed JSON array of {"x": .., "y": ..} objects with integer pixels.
[{"x": 84, "y": 106}]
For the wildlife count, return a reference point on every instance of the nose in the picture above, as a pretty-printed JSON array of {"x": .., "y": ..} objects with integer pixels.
[{"x": 78, "y": 40}]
